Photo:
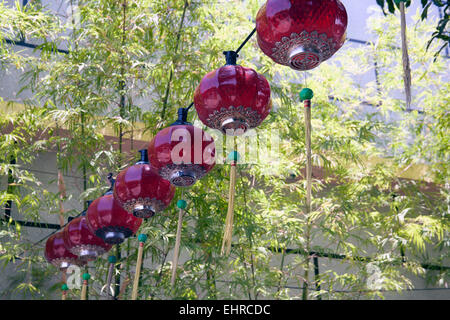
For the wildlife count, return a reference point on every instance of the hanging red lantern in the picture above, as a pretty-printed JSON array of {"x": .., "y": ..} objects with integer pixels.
[
  {"x": 80, "y": 240},
  {"x": 301, "y": 33},
  {"x": 233, "y": 98},
  {"x": 57, "y": 254},
  {"x": 182, "y": 153},
  {"x": 141, "y": 191},
  {"x": 109, "y": 221}
]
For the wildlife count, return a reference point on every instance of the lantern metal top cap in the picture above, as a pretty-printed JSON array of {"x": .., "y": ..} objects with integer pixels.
[
  {"x": 182, "y": 117},
  {"x": 111, "y": 181},
  {"x": 231, "y": 57},
  {"x": 144, "y": 157}
]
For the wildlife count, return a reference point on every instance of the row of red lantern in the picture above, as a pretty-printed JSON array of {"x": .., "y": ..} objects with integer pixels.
[
  {"x": 140, "y": 191},
  {"x": 75, "y": 244},
  {"x": 232, "y": 99},
  {"x": 148, "y": 187},
  {"x": 81, "y": 240}
]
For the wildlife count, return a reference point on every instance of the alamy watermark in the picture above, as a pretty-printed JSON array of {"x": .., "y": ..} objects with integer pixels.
[
  {"x": 375, "y": 279},
  {"x": 254, "y": 146},
  {"x": 74, "y": 280}
]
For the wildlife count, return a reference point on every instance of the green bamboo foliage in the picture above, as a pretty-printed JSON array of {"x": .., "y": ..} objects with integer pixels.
[{"x": 360, "y": 209}]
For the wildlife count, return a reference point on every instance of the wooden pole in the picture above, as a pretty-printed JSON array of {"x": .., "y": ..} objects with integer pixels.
[
  {"x": 84, "y": 290},
  {"x": 86, "y": 277},
  {"x": 307, "y": 110},
  {"x": 176, "y": 252},
  {"x": 64, "y": 289},
  {"x": 142, "y": 238},
  {"x": 228, "y": 234},
  {"x": 306, "y": 95},
  {"x": 112, "y": 260}
]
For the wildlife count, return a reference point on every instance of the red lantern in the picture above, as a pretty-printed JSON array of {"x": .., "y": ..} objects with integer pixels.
[
  {"x": 233, "y": 98},
  {"x": 107, "y": 220},
  {"x": 301, "y": 33},
  {"x": 58, "y": 255},
  {"x": 182, "y": 153},
  {"x": 141, "y": 191},
  {"x": 80, "y": 240}
]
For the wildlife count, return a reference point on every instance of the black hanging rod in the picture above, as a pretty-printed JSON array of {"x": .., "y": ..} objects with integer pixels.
[
  {"x": 237, "y": 51},
  {"x": 32, "y": 224}
]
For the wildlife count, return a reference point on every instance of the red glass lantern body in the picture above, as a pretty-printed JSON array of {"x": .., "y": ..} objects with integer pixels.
[
  {"x": 80, "y": 240},
  {"x": 141, "y": 191},
  {"x": 109, "y": 221},
  {"x": 57, "y": 254},
  {"x": 301, "y": 33},
  {"x": 182, "y": 154},
  {"x": 233, "y": 99}
]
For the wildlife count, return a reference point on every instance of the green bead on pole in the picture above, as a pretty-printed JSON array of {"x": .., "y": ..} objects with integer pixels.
[
  {"x": 181, "y": 204},
  {"x": 86, "y": 276},
  {"x": 306, "y": 94},
  {"x": 142, "y": 237},
  {"x": 234, "y": 156},
  {"x": 112, "y": 259}
]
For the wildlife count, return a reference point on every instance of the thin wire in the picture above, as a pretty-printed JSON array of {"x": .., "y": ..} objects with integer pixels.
[
  {"x": 62, "y": 227},
  {"x": 110, "y": 178},
  {"x": 246, "y": 40},
  {"x": 347, "y": 291},
  {"x": 190, "y": 106},
  {"x": 237, "y": 51}
]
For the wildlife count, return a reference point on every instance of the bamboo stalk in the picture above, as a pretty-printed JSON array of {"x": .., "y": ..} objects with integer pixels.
[
  {"x": 138, "y": 267},
  {"x": 405, "y": 56},
  {"x": 176, "y": 251},
  {"x": 123, "y": 287},
  {"x": 228, "y": 234},
  {"x": 177, "y": 43},
  {"x": 62, "y": 194}
]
